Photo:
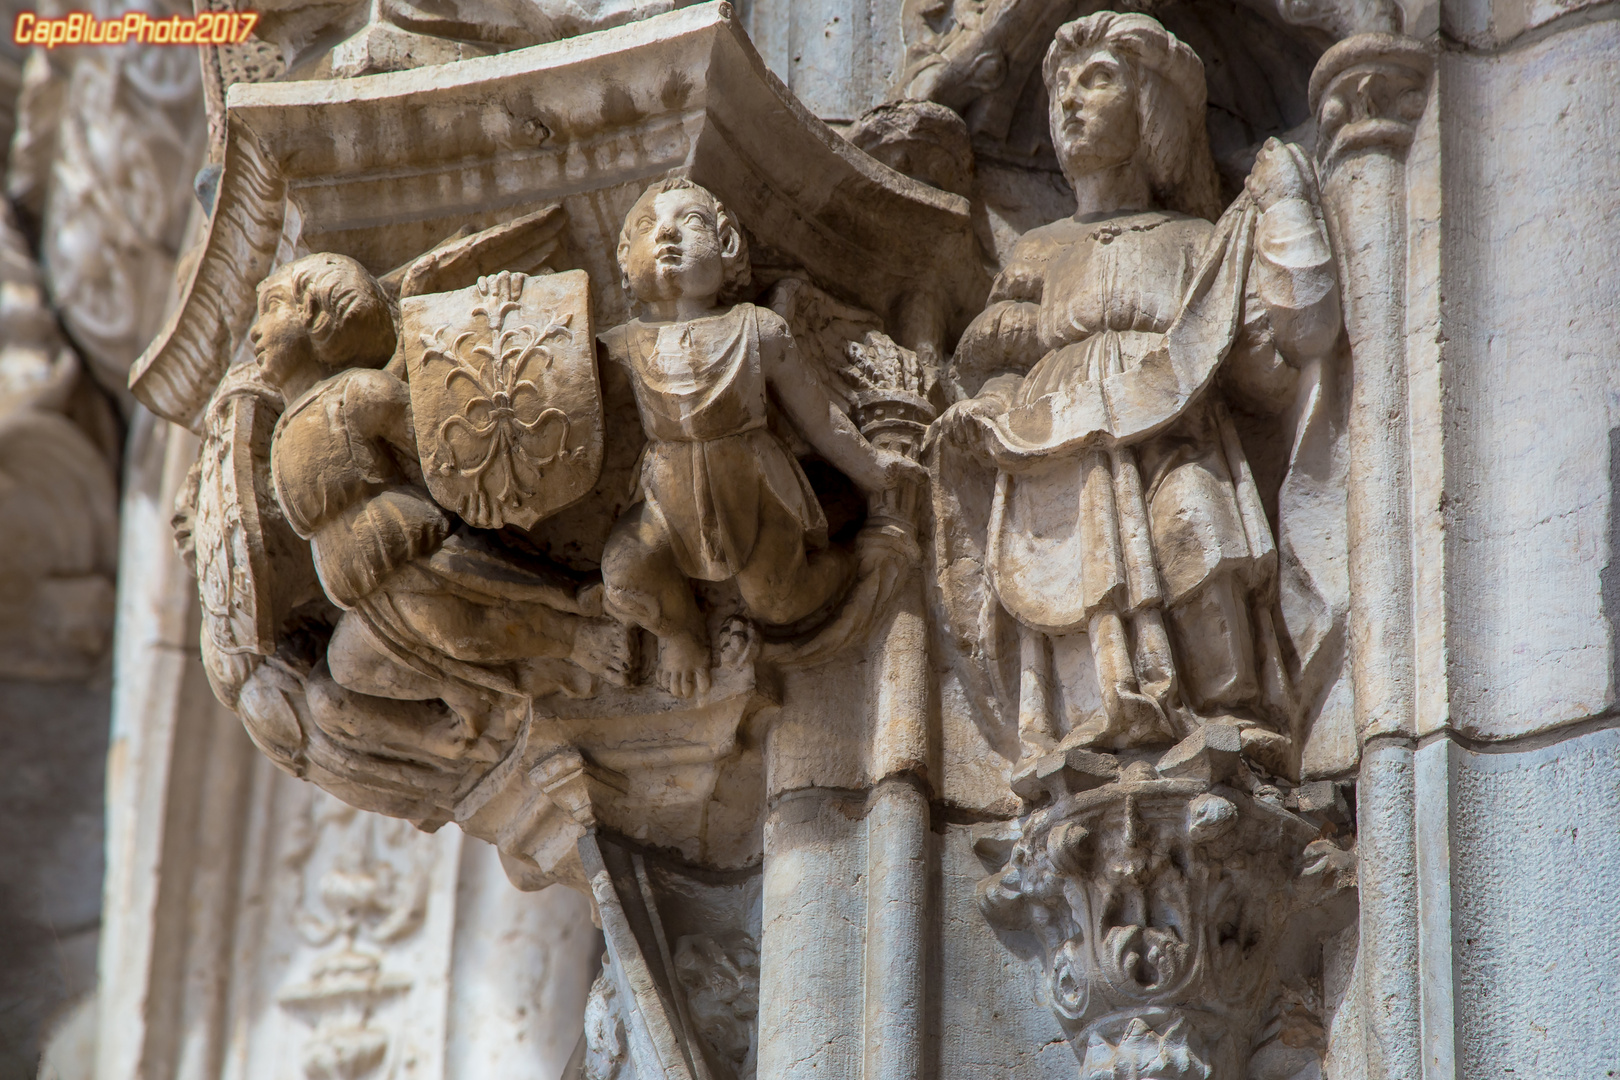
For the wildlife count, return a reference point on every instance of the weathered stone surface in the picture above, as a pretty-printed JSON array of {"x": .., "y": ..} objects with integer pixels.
[
  {"x": 1533, "y": 865},
  {"x": 634, "y": 661},
  {"x": 962, "y": 534},
  {"x": 1530, "y": 520}
]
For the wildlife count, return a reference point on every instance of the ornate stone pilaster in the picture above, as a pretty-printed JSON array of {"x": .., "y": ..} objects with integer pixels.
[{"x": 1368, "y": 93}]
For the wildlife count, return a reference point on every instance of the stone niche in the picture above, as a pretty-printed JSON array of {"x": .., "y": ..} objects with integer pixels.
[{"x": 899, "y": 573}]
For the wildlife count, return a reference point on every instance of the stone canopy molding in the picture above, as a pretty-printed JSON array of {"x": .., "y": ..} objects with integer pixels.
[
  {"x": 931, "y": 579},
  {"x": 383, "y": 169}
]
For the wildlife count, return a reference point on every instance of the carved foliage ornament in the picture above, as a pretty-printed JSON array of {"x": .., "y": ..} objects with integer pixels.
[
  {"x": 362, "y": 888},
  {"x": 1368, "y": 92},
  {"x": 1161, "y": 909}
]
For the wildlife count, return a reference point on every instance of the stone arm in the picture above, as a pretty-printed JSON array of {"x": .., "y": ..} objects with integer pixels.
[
  {"x": 1291, "y": 308},
  {"x": 378, "y": 407},
  {"x": 823, "y": 424},
  {"x": 1297, "y": 279},
  {"x": 1004, "y": 341}
]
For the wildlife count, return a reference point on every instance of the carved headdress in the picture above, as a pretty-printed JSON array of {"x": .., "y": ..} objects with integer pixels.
[{"x": 1170, "y": 102}]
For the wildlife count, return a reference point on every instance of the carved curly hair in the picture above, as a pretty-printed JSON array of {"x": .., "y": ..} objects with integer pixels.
[
  {"x": 1170, "y": 102},
  {"x": 352, "y": 324},
  {"x": 737, "y": 270}
]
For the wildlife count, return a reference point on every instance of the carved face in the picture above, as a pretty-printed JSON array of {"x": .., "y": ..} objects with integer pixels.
[
  {"x": 280, "y": 335},
  {"x": 1094, "y": 118},
  {"x": 676, "y": 248}
]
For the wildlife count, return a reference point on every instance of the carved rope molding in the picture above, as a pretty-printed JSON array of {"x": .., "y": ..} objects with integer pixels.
[
  {"x": 1367, "y": 93},
  {"x": 180, "y": 369}
]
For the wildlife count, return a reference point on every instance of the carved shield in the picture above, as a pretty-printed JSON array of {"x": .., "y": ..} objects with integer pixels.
[
  {"x": 232, "y": 512},
  {"x": 505, "y": 397}
]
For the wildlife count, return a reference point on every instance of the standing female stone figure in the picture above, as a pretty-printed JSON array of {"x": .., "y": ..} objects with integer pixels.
[{"x": 1100, "y": 376}]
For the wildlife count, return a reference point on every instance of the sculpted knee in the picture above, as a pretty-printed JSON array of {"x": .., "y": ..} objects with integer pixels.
[{"x": 774, "y": 603}]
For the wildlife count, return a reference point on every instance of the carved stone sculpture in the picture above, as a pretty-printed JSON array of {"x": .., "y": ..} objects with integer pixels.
[
  {"x": 424, "y": 616},
  {"x": 1101, "y": 374},
  {"x": 57, "y": 488},
  {"x": 1241, "y": 674},
  {"x": 700, "y": 499},
  {"x": 1127, "y": 539},
  {"x": 721, "y": 497}
]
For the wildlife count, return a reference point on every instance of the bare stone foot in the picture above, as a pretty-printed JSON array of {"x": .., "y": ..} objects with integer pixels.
[
  {"x": 605, "y": 647},
  {"x": 683, "y": 665},
  {"x": 1135, "y": 720}
]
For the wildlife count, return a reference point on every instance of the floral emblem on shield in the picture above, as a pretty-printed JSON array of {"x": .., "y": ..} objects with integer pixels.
[{"x": 499, "y": 425}]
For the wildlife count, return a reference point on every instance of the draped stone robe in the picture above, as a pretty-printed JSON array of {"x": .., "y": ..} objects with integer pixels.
[
  {"x": 1137, "y": 523},
  {"x": 1122, "y": 483}
]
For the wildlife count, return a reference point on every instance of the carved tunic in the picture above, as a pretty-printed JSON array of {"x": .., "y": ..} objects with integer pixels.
[
  {"x": 345, "y": 493},
  {"x": 711, "y": 467},
  {"x": 1144, "y": 522}
]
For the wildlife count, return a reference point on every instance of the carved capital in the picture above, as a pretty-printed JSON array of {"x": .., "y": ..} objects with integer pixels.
[
  {"x": 1163, "y": 910},
  {"x": 1368, "y": 92}
]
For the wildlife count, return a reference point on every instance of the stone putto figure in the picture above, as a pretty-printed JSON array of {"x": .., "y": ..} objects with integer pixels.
[
  {"x": 442, "y": 522},
  {"x": 721, "y": 497},
  {"x": 429, "y": 612},
  {"x": 1100, "y": 376}
]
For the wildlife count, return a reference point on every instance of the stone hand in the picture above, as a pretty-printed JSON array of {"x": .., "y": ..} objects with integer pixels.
[
  {"x": 504, "y": 286},
  {"x": 896, "y": 470},
  {"x": 1276, "y": 176},
  {"x": 961, "y": 424}
]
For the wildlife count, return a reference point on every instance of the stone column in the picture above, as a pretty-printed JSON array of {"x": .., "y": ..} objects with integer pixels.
[
  {"x": 1367, "y": 92},
  {"x": 897, "y": 845}
]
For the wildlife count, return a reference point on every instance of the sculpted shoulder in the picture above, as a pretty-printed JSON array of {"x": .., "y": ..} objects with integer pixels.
[
  {"x": 1192, "y": 231},
  {"x": 1039, "y": 245},
  {"x": 772, "y": 327},
  {"x": 374, "y": 383},
  {"x": 1024, "y": 275},
  {"x": 614, "y": 341}
]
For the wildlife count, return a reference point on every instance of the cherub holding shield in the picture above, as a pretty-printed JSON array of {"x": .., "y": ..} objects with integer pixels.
[{"x": 430, "y": 609}]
